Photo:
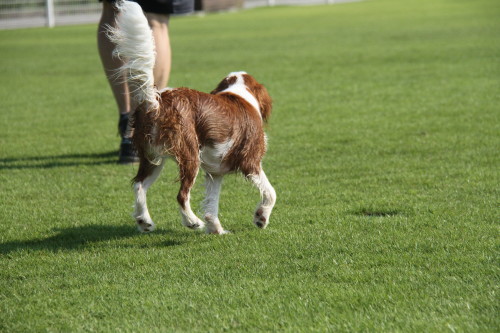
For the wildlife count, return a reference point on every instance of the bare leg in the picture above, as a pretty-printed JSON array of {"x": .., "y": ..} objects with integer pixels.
[
  {"x": 146, "y": 176},
  {"x": 110, "y": 63},
  {"x": 159, "y": 26},
  {"x": 213, "y": 186},
  {"x": 261, "y": 217}
]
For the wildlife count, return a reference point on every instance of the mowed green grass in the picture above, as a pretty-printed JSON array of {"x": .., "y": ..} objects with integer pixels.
[{"x": 383, "y": 149}]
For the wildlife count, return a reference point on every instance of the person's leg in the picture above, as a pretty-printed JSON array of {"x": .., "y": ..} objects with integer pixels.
[
  {"x": 110, "y": 63},
  {"x": 118, "y": 85},
  {"x": 159, "y": 26}
]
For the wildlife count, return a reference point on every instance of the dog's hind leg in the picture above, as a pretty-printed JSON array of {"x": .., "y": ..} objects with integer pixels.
[
  {"x": 188, "y": 168},
  {"x": 268, "y": 194},
  {"x": 213, "y": 185},
  {"x": 146, "y": 176}
]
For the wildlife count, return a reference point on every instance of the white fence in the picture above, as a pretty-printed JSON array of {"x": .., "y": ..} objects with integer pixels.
[
  {"x": 262, "y": 3},
  {"x": 38, "y": 13}
]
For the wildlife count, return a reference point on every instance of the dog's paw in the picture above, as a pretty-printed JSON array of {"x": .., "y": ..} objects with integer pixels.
[
  {"x": 213, "y": 225},
  {"x": 260, "y": 219},
  {"x": 193, "y": 223},
  {"x": 218, "y": 232},
  {"x": 145, "y": 226},
  {"x": 195, "y": 226}
]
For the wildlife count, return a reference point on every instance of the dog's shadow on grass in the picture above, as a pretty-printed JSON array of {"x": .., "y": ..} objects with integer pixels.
[
  {"x": 82, "y": 237},
  {"x": 56, "y": 161}
]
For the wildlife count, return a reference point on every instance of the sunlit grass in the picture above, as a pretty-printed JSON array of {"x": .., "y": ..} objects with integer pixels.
[{"x": 383, "y": 149}]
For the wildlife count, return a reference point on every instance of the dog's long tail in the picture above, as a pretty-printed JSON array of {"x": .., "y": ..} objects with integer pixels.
[{"x": 135, "y": 45}]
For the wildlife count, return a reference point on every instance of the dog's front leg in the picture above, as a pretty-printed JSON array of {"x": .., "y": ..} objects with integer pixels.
[
  {"x": 213, "y": 185},
  {"x": 268, "y": 194}
]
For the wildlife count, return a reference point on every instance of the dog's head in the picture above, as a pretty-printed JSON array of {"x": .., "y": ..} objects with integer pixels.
[{"x": 244, "y": 85}]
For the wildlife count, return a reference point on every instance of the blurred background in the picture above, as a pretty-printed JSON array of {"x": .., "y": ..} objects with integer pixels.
[{"x": 37, "y": 13}]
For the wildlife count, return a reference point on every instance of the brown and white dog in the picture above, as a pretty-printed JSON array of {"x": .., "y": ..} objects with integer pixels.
[{"x": 222, "y": 131}]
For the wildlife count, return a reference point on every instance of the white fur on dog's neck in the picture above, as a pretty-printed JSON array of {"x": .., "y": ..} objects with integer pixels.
[{"x": 239, "y": 88}]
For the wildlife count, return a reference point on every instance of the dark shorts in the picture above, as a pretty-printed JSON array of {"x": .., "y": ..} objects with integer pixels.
[{"x": 165, "y": 6}]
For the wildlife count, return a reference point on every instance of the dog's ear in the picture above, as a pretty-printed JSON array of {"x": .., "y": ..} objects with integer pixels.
[
  {"x": 261, "y": 95},
  {"x": 265, "y": 101}
]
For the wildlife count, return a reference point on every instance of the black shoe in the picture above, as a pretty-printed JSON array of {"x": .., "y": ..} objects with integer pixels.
[
  {"x": 128, "y": 154},
  {"x": 122, "y": 124}
]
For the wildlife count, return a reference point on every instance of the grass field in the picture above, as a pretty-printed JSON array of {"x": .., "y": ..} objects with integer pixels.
[{"x": 383, "y": 149}]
